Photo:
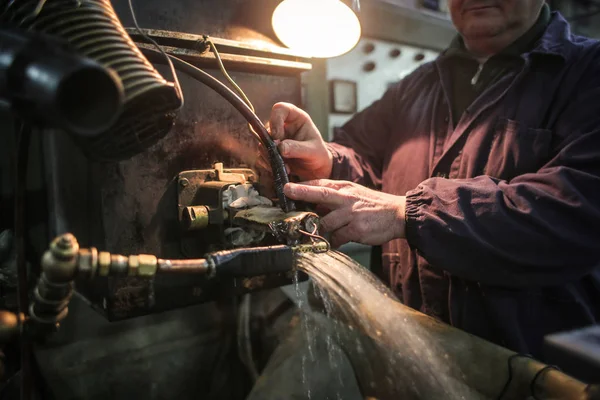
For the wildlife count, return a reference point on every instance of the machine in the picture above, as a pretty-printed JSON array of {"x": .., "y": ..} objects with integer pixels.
[
  {"x": 70, "y": 67},
  {"x": 246, "y": 244},
  {"x": 149, "y": 206}
]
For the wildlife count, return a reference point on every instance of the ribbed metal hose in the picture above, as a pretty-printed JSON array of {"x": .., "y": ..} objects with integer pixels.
[{"x": 93, "y": 29}]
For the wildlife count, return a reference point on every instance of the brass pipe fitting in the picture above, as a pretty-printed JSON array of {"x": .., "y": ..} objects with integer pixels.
[{"x": 59, "y": 263}]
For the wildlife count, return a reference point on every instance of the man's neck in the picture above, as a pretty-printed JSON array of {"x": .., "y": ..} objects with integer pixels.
[{"x": 484, "y": 48}]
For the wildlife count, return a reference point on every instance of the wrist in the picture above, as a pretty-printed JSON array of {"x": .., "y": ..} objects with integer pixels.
[
  {"x": 327, "y": 169},
  {"x": 329, "y": 165},
  {"x": 400, "y": 231}
]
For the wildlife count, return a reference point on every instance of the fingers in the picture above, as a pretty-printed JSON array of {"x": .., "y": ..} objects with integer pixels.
[
  {"x": 315, "y": 194},
  {"x": 329, "y": 183},
  {"x": 342, "y": 236},
  {"x": 336, "y": 220},
  {"x": 298, "y": 150},
  {"x": 285, "y": 115}
]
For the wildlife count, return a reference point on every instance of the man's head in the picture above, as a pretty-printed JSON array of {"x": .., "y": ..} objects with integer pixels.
[{"x": 488, "y": 26}]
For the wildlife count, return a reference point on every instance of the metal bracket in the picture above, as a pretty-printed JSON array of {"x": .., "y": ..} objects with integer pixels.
[
  {"x": 240, "y": 56},
  {"x": 200, "y": 206},
  {"x": 189, "y": 183}
]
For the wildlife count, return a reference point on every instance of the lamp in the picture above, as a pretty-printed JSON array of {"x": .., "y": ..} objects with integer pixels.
[{"x": 317, "y": 28}]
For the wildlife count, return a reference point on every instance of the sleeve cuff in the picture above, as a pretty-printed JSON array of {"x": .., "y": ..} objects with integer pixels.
[
  {"x": 413, "y": 214},
  {"x": 337, "y": 161}
]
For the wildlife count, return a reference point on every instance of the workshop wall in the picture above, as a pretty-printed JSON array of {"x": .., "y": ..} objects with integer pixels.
[{"x": 371, "y": 67}]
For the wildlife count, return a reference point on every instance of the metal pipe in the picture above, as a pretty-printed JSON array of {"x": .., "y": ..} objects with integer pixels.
[
  {"x": 199, "y": 266},
  {"x": 483, "y": 369}
]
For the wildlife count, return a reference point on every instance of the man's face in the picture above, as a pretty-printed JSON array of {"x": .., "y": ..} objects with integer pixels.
[{"x": 485, "y": 19}]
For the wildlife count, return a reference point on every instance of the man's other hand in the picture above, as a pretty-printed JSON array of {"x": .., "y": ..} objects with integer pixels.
[
  {"x": 300, "y": 143},
  {"x": 356, "y": 214}
]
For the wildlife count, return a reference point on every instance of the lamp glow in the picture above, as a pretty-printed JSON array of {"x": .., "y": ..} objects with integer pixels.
[{"x": 316, "y": 28}]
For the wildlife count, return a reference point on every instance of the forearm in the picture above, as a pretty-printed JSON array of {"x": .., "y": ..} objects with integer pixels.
[{"x": 538, "y": 231}]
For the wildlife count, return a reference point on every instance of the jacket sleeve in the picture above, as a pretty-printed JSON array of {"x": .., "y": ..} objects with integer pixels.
[
  {"x": 358, "y": 148},
  {"x": 541, "y": 228}
]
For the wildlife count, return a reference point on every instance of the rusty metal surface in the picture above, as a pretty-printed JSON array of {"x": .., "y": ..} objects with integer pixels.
[
  {"x": 139, "y": 196},
  {"x": 137, "y": 211}
]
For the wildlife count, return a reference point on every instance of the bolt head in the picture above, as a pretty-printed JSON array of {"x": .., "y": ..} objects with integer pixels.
[{"x": 183, "y": 182}]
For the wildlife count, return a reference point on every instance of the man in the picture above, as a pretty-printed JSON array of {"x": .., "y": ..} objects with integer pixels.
[{"x": 484, "y": 176}]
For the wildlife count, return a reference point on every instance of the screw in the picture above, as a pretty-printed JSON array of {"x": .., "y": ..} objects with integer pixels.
[{"x": 183, "y": 182}]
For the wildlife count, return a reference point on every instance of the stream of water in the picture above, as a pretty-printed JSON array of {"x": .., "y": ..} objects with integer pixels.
[{"x": 393, "y": 355}]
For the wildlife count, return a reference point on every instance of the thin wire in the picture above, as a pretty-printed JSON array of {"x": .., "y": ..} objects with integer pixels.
[
  {"x": 169, "y": 62},
  {"x": 537, "y": 375},
  {"x": 237, "y": 88},
  {"x": 226, "y": 74},
  {"x": 510, "y": 374},
  {"x": 313, "y": 236}
]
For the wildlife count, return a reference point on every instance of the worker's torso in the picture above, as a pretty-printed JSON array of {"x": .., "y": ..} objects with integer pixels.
[{"x": 512, "y": 128}]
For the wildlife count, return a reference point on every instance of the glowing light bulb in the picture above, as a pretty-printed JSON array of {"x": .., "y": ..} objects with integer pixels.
[{"x": 316, "y": 28}]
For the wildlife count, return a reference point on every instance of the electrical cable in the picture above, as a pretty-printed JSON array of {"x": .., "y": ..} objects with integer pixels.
[
  {"x": 226, "y": 74},
  {"x": 510, "y": 374},
  {"x": 280, "y": 176},
  {"x": 237, "y": 88},
  {"x": 537, "y": 375},
  {"x": 315, "y": 236},
  {"x": 153, "y": 42}
]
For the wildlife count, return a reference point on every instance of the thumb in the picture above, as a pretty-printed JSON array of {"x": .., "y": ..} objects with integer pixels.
[{"x": 296, "y": 149}]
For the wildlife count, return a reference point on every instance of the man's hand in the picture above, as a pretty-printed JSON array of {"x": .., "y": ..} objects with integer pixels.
[
  {"x": 357, "y": 214},
  {"x": 301, "y": 145}
]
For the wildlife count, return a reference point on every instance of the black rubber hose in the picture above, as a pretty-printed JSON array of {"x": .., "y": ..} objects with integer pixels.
[{"x": 280, "y": 175}]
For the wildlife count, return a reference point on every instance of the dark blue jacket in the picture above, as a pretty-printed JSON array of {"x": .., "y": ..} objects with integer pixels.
[{"x": 503, "y": 211}]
